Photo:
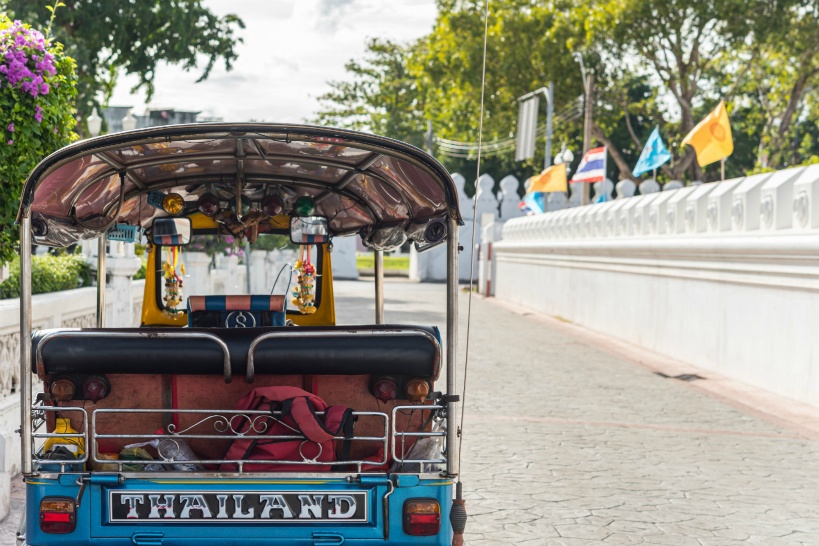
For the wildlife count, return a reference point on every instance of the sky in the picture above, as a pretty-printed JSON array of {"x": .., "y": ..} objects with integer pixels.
[{"x": 291, "y": 49}]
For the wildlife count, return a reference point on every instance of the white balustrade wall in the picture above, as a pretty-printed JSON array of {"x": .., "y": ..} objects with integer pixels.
[{"x": 724, "y": 276}]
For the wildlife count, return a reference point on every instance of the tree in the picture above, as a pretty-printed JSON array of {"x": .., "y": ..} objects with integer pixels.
[
  {"x": 37, "y": 92},
  {"x": 111, "y": 37},
  {"x": 686, "y": 45},
  {"x": 383, "y": 96}
]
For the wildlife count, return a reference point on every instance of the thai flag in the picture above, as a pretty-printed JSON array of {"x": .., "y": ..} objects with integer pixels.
[{"x": 592, "y": 167}]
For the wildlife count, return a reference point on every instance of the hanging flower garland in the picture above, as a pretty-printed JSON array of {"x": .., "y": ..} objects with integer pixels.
[
  {"x": 305, "y": 273},
  {"x": 173, "y": 283}
]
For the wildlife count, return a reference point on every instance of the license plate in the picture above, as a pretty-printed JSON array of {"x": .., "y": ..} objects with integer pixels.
[{"x": 237, "y": 506}]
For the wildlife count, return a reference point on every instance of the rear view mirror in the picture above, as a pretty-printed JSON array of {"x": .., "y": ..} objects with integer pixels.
[
  {"x": 310, "y": 230},
  {"x": 171, "y": 231}
]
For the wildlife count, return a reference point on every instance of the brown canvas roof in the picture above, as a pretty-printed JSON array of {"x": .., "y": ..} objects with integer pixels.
[{"x": 359, "y": 181}]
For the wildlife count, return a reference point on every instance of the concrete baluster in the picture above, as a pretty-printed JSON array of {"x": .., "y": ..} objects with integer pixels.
[
  {"x": 343, "y": 258},
  {"x": 806, "y": 199},
  {"x": 696, "y": 208},
  {"x": 603, "y": 189},
  {"x": 649, "y": 186},
  {"x": 719, "y": 205},
  {"x": 625, "y": 188},
  {"x": 673, "y": 185},
  {"x": 776, "y": 200},
  {"x": 122, "y": 264},
  {"x": 576, "y": 189},
  {"x": 745, "y": 203},
  {"x": 510, "y": 199}
]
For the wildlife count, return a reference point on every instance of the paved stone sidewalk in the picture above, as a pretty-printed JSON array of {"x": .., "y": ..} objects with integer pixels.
[{"x": 568, "y": 445}]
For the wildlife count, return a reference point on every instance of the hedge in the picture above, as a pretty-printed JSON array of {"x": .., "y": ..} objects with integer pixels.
[{"x": 49, "y": 273}]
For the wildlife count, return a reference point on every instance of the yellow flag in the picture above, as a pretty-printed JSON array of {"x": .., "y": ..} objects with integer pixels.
[
  {"x": 711, "y": 138},
  {"x": 550, "y": 180}
]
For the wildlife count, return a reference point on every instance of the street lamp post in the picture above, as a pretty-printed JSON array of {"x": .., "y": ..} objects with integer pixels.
[
  {"x": 549, "y": 93},
  {"x": 94, "y": 123},
  {"x": 558, "y": 200}
]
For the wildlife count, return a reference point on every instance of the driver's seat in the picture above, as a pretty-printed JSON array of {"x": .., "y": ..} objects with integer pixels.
[{"x": 235, "y": 311}]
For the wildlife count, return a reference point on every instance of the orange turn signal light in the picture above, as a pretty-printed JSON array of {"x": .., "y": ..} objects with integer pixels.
[
  {"x": 63, "y": 390},
  {"x": 416, "y": 389}
]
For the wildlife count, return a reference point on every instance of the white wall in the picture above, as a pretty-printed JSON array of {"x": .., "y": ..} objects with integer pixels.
[{"x": 740, "y": 298}]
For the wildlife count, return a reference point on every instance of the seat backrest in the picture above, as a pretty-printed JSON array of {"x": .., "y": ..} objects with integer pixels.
[{"x": 235, "y": 311}]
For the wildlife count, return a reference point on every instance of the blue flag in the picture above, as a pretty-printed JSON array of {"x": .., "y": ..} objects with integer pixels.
[{"x": 654, "y": 154}]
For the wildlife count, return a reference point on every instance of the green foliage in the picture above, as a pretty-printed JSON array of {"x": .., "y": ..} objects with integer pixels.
[
  {"x": 41, "y": 125},
  {"x": 109, "y": 38},
  {"x": 656, "y": 64},
  {"x": 49, "y": 273},
  {"x": 272, "y": 241}
]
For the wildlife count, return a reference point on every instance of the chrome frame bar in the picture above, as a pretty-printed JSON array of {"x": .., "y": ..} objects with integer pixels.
[
  {"x": 379, "y": 286},
  {"x": 228, "y": 416},
  {"x": 251, "y": 351},
  {"x": 452, "y": 278},
  {"x": 25, "y": 343},
  {"x": 45, "y": 435},
  {"x": 395, "y": 434},
  {"x": 228, "y": 372},
  {"x": 101, "y": 273}
]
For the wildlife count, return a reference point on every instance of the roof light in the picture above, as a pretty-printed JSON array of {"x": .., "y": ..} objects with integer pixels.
[
  {"x": 208, "y": 204},
  {"x": 173, "y": 204},
  {"x": 272, "y": 205},
  {"x": 305, "y": 206}
]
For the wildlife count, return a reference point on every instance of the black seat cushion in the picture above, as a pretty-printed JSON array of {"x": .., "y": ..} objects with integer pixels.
[{"x": 338, "y": 350}]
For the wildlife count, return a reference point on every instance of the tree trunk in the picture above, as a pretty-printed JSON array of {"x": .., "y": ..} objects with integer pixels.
[
  {"x": 625, "y": 170},
  {"x": 778, "y": 142}
]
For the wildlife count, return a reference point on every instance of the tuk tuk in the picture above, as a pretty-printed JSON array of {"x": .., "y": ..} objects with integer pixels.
[{"x": 240, "y": 419}]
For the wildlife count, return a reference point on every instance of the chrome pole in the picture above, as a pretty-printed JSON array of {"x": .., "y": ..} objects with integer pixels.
[
  {"x": 452, "y": 277},
  {"x": 25, "y": 343},
  {"x": 101, "y": 252},
  {"x": 379, "y": 286}
]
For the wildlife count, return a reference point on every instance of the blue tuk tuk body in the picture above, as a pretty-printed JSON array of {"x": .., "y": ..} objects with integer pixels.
[
  {"x": 370, "y": 525},
  {"x": 96, "y": 456}
]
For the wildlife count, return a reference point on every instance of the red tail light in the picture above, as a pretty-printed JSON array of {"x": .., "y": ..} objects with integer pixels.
[
  {"x": 57, "y": 515},
  {"x": 385, "y": 389},
  {"x": 422, "y": 517}
]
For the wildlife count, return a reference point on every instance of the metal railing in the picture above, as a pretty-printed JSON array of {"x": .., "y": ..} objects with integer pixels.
[
  {"x": 407, "y": 454},
  {"x": 392, "y": 444}
]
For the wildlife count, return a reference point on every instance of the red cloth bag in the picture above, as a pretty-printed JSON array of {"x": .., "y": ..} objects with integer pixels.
[{"x": 298, "y": 418}]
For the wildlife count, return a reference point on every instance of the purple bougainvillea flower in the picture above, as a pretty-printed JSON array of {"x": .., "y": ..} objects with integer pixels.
[
  {"x": 10, "y": 127},
  {"x": 38, "y": 113},
  {"x": 10, "y": 142}
]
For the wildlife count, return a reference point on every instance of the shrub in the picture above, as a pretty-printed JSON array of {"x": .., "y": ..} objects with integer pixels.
[
  {"x": 49, "y": 273},
  {"x": 37, "y": 91}
]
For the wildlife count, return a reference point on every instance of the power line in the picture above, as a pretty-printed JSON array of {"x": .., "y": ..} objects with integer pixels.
[{"x": 459, "y": 149}]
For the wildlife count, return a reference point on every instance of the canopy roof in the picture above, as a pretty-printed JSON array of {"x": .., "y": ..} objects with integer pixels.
[{"x": 362, "y": 183}]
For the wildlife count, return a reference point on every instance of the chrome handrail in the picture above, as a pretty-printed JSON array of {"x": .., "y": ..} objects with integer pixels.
[
  {"x": 251, "y": 352},
  {"x": 228, "y": 372}
]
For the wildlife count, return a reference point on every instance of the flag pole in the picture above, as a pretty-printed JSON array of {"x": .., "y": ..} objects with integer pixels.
[{"x": 722, "y": 168}]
